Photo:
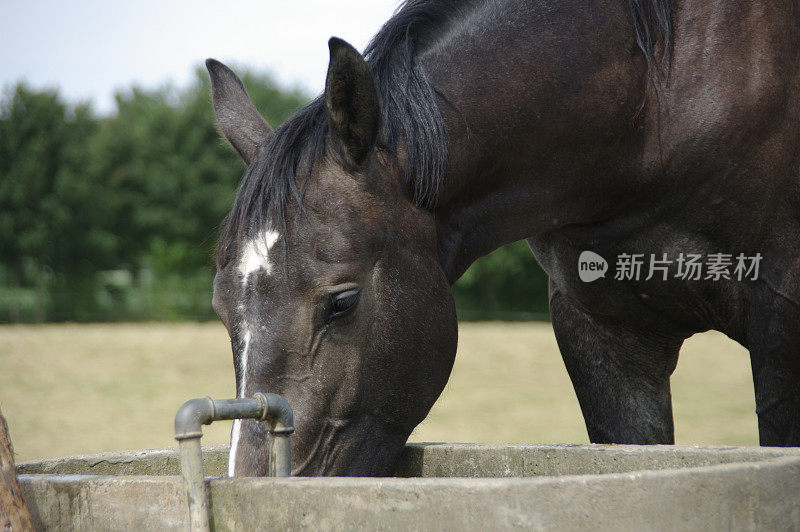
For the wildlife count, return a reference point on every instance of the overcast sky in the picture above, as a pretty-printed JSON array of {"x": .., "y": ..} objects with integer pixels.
[{"x": 90, "y": 48}]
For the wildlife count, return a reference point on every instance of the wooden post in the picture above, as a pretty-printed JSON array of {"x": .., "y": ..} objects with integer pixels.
[{"x": 14, "y": 514}]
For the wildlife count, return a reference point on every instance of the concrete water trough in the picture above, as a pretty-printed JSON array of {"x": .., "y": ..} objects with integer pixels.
[{"x": 437, "y": 486}]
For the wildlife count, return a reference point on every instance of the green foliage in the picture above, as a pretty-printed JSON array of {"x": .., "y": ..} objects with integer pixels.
[
  {"x": 46, "y": 197},
  {"x": 116, "y": 218},
  {"x": 507, "y": 284},
  {"x": 174, "y": 178},
  {"x": 51, "y": 224}
]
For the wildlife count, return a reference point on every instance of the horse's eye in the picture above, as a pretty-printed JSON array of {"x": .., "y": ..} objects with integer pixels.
[{"x": 344, "y": 302}]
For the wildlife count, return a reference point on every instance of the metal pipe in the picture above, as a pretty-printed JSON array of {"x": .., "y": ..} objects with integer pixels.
[{"x": 194, "y": 413}]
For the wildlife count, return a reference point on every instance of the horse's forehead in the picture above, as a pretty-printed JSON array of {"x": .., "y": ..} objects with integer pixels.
[
  {"x": 339, "y": 236},
  {"x": 255, "y": 254},
  {"x": 333, "y": 187}
]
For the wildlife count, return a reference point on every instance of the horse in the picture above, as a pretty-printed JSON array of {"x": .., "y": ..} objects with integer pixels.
[{"x": 627, "y": 137}]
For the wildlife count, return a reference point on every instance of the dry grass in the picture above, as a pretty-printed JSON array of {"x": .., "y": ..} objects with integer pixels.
[
  {"x": 515, "y": 369},
  {"x": 87, "y": 388}
]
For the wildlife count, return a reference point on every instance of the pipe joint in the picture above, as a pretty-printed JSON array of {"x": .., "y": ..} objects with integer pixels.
[
  {"x": 191, "y": 415},
  {"x": 268, "y": 407},
  {"x": 275, "y": 410}
]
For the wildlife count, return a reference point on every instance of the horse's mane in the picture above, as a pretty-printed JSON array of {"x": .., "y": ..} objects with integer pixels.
[
  {"x": 652, "y": 26},
  {"x": 410, "y": 114}
]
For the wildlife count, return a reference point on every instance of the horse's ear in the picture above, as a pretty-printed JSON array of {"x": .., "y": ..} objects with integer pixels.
[
  {"x": 351, "y": 101},
  {"x": 237, "y": 118}
]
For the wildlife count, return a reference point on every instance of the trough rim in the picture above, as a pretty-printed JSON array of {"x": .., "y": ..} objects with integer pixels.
[
  {"x": 779, "y": 462},
  {"x": 751, "y": 455},
  {"x": 217, "y": 447}
]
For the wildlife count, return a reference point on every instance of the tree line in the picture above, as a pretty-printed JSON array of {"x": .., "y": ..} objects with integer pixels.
[{"x": 108, "y": 218}]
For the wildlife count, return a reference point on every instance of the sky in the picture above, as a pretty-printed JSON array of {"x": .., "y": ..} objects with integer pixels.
[{"x": 89, "y": 49}]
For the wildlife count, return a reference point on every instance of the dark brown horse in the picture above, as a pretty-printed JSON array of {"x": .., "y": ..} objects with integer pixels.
[{"x": 653, "y": 134}]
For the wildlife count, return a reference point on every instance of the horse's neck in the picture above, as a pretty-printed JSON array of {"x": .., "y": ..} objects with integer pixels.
[
  {"x": 547, "y": 134},
  {"x": 538, "y": 116}
]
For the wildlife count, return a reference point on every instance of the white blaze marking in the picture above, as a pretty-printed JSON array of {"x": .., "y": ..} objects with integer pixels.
[
  {"x": 237, "y": 424},
  {"x": 237, "y": 431},
  {"x": 255, "y": 257},
  {"x": 255, "y": 254}
]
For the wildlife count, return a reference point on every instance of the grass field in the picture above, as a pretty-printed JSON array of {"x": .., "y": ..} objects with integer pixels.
[{"x": 68, "y": 389}]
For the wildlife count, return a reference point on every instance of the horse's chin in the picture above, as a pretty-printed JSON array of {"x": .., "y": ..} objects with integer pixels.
[
  {"x": 362, "y": 446},
  {"x": 369, "y": 452}
]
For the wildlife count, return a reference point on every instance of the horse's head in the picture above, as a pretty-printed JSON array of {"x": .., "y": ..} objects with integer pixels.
[{"x": 328, "y": 280}]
